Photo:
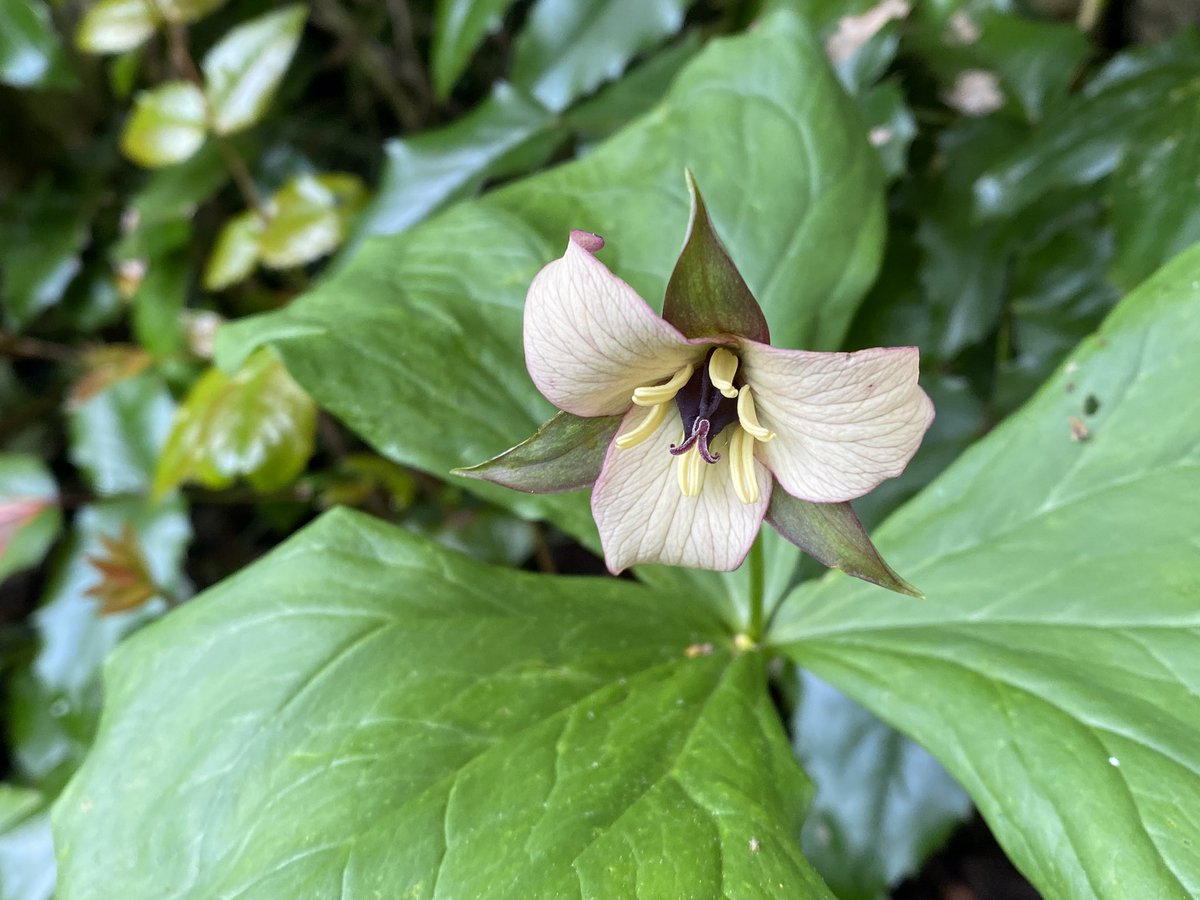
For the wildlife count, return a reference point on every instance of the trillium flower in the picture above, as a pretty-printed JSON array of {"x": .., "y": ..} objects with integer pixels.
[{"x": 700, "y": 428}]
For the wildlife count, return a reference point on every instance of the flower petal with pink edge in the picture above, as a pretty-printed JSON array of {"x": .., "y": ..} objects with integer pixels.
[
  {"x": 843, "y": 422},
  {"x": 643, "y": 516},
  {"x": 590, "y": 339}
]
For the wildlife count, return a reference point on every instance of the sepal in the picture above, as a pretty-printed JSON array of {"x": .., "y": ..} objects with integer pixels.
[{"x": 565, "y": 454}]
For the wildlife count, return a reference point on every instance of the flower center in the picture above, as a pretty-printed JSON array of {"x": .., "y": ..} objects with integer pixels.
[{"x": 708, "y": 402}]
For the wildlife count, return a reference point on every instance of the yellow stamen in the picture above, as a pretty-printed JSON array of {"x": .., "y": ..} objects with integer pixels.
[
  {"x": 748, "y": 416},
  {"x": 663, "y": 393},
  {"x": 722, "y": 366},
  {"x": 741, "y": 463},
  {"x": 644, "y": 429},
  {"x": 690, "y": 471}
]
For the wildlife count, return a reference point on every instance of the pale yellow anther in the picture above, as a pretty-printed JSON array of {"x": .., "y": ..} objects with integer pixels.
[
  {"x": 741, "y": 464},
  {"x": 722, "y": 366},
  {"x": 689, "y": 468},
  {"x": 644, "y": 428},
  {"x": 748, "y": 416},
  {"x": 663, "y": 393}
]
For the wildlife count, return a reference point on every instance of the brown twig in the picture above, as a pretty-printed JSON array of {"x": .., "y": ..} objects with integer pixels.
[{"x": 17, "y": 346}]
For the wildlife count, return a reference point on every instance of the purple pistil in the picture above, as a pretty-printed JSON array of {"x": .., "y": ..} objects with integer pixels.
[{"x": 699, "y": 437}]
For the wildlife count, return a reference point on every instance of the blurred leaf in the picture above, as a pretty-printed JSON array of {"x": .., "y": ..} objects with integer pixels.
[
  {"x": 27, "y": 867},
  {"x": 159, "y": 301},
  {"x": 125, "y": 581},
  {"x": 56, "y": 699},
  {"x": 30, "y": 53},
  {"x": 42, "y": 232},
  {"x": 479, "y": 727},
  {"x": 506, "y": 134},
  {"x": 256, "y": 424},
  {"x": 882, "y": 803},
  {"x": 29, "y": 516},
  {"x": 167, "y": 125},
  {"x": 242, "y": 71},
  {"x": 105, "y": 366},
  {"x": 1061, "y": 614},
  {"x": 806, "y": 237},
  {"x": 309, "y": 218},
  {"x": 358, "y": 475},
  {"x": 890, "y": 124},
  {"x": 172, "y": 193},
  {"x": 864, "y": 43},
  {"x": 568, "y": 49},
  {"x": 116, "y": 437},
  {"x": 236, "y": 253},
  {"x": 458, "y": 28},
  {"x": 113, "y": 26},
  {"x": 634, "y": 94}
]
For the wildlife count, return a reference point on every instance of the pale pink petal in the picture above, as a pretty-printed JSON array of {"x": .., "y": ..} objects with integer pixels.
[
  {"x": 843, "y": 422},
  {"x": 590, "y": 339},
  {"x": 643, "y": 516}
]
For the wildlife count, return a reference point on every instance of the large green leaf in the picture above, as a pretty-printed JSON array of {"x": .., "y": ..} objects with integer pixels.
[
  {"x": 1053, "y": 667},
  {"x": 459, "y": 27},
  {"x": 242, "y": 71},
  {"x": 363, "y": 713},
  {"x": 568, "y": 49},
  {"x": 372, "y": 343}
]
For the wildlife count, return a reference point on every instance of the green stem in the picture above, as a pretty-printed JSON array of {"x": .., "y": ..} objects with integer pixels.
[{"x": 754, "y": 630}]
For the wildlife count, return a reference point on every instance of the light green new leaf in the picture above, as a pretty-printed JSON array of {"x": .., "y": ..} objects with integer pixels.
[
  {"x": 568, "y": 49},
  {"x": 114, "y": 26},
  {"x": 167, "y": 125},
  {"x": 363, "y": 713},
  {"x": 1053, "y": 668},
  {"x": 371, "y": 344},
  {"x": 30, "y": 54},
  {"x": 242, "y": 71},
  {"x": 308, "y": 218},
  {"x": 257, "y": 424},
  {"x": 236, "y": 252},
  {"x": 458, "y": 28},
  {"x": 29, "y": 515}
]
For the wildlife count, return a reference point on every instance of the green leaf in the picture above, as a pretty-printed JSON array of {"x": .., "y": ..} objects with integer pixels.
[
  {"x": 706, "y": 295},
  {"x": 114, "y": 26},
  {"x": 243, "y": 69},
  {"x": 26, "y": 845},
  {"x": 458, "y": 28},
  {"x": 42, "y": 232},
  {"x": 890, "y": 123},
  {"x": 236, "y": 253},
  {"x": 29, "y": 516},
  {"x": 568, "y": 49},
  {"x": 55, "y": 699},
  {"x": 160, "y": 298},
  {"x": 1052, "y": 667},
  {"x": 506, "y": 134},
  {"x": 309, "y": 218},
  {"x": 565, "y": 454},
  {"x": 882, "y": 804},
  {"x": 167, "y": 125},
  {"x": 478, "y": 727},
  {"x": 805, "y": 237},
  {"x": 116, "y": 437},
  {"x": 256, "y": 424},
  {"x": 30, "y": 54}
]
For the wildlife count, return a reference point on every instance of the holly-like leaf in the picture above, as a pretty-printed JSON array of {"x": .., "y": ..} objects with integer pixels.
[
  {"x": 1061, "y": 614},
  {"x": 309, "y": 218},
  {"x": 257, "y": 424},
  {"x": 125, "y": 581},
  {"x": 167, "y": 125},
  {"x": 458, "y": 28},
  {"x": 29, "y": 514},
  {"x": 478, "y": 727},
  {"x": 116, "y": 437},
  {"x": 454, "y": 287},
  {"x": 243, "y": 69},
  {"x": 568, "y": 49}
]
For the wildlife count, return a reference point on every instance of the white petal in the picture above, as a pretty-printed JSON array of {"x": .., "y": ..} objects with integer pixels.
[
  {"x": 590, "y": 339},
  {"x": 844, "y": 422},
  {"x": 644, "y": 517}
]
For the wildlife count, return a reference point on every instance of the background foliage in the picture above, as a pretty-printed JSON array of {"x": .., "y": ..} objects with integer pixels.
[{"x": 258, "y": 261}]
